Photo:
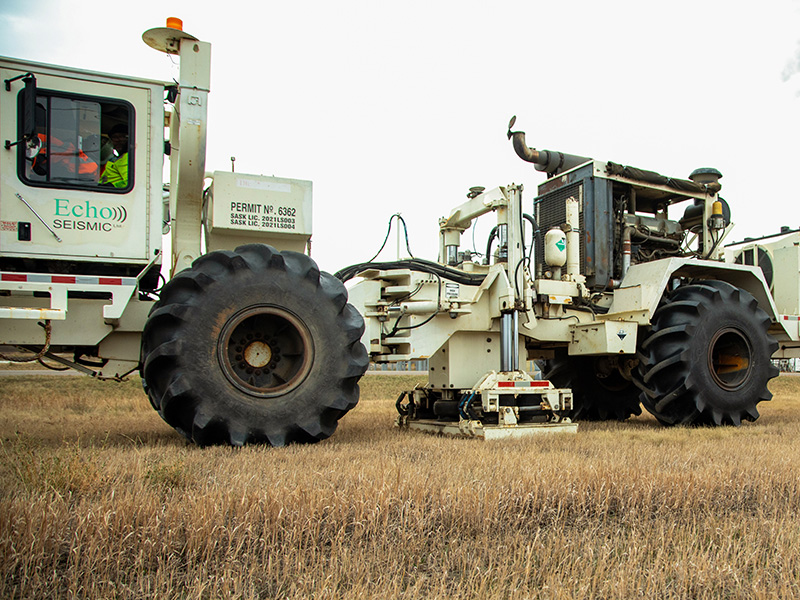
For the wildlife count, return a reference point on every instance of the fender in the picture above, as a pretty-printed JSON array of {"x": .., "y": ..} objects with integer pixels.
[{"x": 640, "y": 292}]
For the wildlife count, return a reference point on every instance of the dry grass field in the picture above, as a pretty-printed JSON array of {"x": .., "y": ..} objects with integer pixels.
[{"x": 100, "y": 499}]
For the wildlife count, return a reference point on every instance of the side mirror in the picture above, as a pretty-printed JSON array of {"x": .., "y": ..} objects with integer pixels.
[{"x": 28, "y": 108}]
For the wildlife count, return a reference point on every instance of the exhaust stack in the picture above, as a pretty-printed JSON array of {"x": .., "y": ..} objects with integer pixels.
[{"x": 551, "y": 162}]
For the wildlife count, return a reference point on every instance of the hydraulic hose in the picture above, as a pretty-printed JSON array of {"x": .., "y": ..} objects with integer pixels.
[
  {"x": 492, "y": 236},
  {"x": 413, "y": 264}
]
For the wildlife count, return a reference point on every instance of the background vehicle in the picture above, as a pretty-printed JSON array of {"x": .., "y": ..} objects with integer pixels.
[{"x": 246, "y": 342}]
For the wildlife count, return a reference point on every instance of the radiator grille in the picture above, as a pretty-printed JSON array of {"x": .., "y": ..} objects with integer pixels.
[{"x": 550, "y": 210}]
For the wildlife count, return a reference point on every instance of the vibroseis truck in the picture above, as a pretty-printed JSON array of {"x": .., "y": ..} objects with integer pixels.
[
  {"x": 615, "y": 277},
  {"x": 244, "y": 343}
]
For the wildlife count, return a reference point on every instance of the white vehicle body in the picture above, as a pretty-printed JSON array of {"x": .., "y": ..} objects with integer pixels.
[{"x": 236, "y": 330}]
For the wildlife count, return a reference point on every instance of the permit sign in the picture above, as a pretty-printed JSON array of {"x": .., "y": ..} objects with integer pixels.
[{"x": 260, "y": 204}]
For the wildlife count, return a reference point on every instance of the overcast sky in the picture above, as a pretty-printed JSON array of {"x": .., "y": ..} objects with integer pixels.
[{"x": 402, "y": 107}]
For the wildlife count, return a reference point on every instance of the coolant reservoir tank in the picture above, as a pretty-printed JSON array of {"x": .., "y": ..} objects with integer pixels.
[{"x": 555, "y": 248}]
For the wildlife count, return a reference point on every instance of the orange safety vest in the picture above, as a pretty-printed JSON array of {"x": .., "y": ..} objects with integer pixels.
[{"x": 64, "y": 154}]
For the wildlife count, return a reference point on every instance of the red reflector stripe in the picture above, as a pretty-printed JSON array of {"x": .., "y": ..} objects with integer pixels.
[
  {"x": 542, "y": 383},
  {"x": 68, "y": 279}
]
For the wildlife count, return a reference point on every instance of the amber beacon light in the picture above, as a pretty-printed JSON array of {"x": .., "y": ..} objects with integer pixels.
[{"x": 175, "y": 23}]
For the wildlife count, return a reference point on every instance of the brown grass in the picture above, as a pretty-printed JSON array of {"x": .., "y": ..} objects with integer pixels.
[{"x": 100, "y": 499}]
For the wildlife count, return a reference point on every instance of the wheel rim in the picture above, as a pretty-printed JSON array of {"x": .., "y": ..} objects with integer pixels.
[
  {"x": 265, "y": 351},
  {"x": 730, "y": 358}
]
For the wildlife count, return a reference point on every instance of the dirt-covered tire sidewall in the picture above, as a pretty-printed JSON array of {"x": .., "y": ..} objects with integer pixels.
[{"x": 195, "y": 395}]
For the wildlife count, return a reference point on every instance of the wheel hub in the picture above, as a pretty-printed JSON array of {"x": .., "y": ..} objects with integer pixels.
[
  {"x": 729, "y": 358},
  {"x": 257, "y": 354},
  {"x": 265, "y": 350}
]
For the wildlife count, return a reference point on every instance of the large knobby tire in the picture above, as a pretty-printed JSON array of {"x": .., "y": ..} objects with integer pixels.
[
  {"x": 253, "y": 346},
  {"x": 706, "y": 360},
  {"x": 600, "y": 392}
]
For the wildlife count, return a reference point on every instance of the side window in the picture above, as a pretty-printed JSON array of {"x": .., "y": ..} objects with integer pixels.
[{"x": 83, "y": 143}]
